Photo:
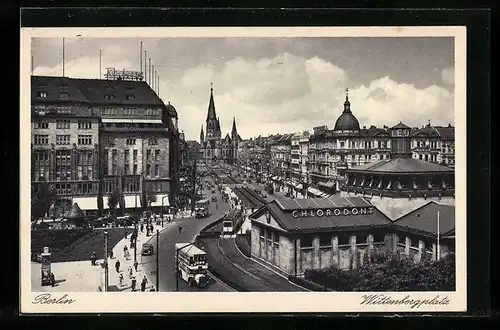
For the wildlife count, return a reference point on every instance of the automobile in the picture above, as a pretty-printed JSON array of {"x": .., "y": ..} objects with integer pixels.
[
  {"x": 147, "y": 250},
  {"x": 214, "y": 199}
]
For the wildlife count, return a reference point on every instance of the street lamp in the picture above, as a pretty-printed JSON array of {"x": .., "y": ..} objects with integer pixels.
[
  {"x": 157, "y": 260},
  {"x": 106, "y": 273},
  {"x": 177, "y": 264}
]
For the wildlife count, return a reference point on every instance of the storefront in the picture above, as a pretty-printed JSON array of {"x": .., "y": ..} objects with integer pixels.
[{"x": 293, "y": 235}]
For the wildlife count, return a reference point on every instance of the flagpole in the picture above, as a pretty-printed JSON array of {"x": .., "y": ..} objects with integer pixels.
[{"x": 438, "y": 246}]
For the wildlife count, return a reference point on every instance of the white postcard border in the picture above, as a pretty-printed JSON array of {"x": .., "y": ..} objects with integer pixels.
[{"x": 193, "y": 302}]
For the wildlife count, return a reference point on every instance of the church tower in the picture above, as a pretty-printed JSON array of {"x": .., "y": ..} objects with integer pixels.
[
  {"x": 234, "y": 132},
  {"x": 213, "y": 125}
]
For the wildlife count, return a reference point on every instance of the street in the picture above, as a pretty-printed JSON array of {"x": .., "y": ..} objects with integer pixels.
[{"x": 168, "y": 237}]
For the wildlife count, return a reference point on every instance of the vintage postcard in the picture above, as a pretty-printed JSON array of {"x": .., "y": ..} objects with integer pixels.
[{"x": 243, "y": 169}]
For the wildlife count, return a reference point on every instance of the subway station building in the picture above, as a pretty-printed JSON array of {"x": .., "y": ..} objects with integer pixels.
[{"x": 293, "y": 235}]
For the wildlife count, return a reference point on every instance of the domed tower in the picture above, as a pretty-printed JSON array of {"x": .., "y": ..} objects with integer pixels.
[
  {"x": 172, "y": 114},
  {"x": 347, "y": 122}
]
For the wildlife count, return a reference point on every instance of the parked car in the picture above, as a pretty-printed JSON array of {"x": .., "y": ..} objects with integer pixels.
[{"x": 147, "y": 250}]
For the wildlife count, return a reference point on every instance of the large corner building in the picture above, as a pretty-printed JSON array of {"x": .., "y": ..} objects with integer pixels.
[{"x": 91, "y": 136}]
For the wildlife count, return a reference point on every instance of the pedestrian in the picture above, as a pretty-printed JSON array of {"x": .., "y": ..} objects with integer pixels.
[
  {"x": 125, "y": 233},
  {"x": 130, "y": 272},
  {"x": 135, "y": 265},
  {"x": 117, "y": 266},
  {"x": 52, "y": 279},
  {"x": 142, "y": 227},
  {"x": 144, "y": 283},
  {"x": 180, "y": 229},
  {"x": 134, "y": 282},
  {"x": 111, "y": 254},
  {"x": 125, "y": 250},
  {"x": 121, "y": 279},
  {"x": 93, "y": 258}
]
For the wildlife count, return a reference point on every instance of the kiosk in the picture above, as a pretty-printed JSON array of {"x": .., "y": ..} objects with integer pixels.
[{"x": 47, "y": 278}]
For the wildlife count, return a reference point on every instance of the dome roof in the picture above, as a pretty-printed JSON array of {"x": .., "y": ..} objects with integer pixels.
[
  {"x": 347, "y": 121},
  {"x": 171, "y": 110}
]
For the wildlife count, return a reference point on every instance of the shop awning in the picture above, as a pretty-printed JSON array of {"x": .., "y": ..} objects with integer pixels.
[
  {"x": 130, "y": 201},
  {"x": 86, "y": 203},
  {"x": 159, "y": 199},
  {"x": 314, "y": 191}
]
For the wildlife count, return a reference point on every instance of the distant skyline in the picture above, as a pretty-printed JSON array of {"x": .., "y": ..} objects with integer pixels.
[{"x": 277, "y": 85}]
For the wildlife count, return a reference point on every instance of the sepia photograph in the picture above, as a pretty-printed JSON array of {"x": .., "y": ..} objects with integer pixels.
[{"x": 321, "y": 164}]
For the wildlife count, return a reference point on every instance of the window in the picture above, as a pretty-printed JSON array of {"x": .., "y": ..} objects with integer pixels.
[
  {"x": 362, "y": 238},
  {"x": 325, "y": 239},
  {"x": 62, "y": 124},
  {"x": 414, "y": 242},
  {"x": 157, "y": 156},
  {"x": 126, "y": 160},
  {"x": 135, "y": 169},
  {"x": 134, "y": 156},
  {"x": 131, "y": 141},
  {"x": 157, "y": 170},
  {"x": 63, "y": 165},
  {"x": 148, "y": 170},
  {"x": 402, "y": 239},
  {"x": 41, "y": 165},
  {"x": 85, "y": 165},
  {"x": 379, "y": 237},
  {"x": 342, "y": 144},
  {"x": 109, "y": 96},
  {"x": 114, "y": 152},
  {"x": 63, "y": 139},
  {"x": 63, "y": 95},
  {"x": 84, "y": 124},
  {"x": 42, "y": 95},
  {"x": 84, "y": 188},
  {"x": 41, "y": 124},
  {"x": 63, "y": 188},
  {"x": 130, "y": 97},
  {"x": 344, "y": 239},
  {"x": 85, "y": 139},
  {"x": 306, "y": 241},
  {"x": 41, "y": 139},
  {"x": 148, "y": 155},
  {"x": 153, "y": 141},
  {"x": 131, "y": 184}
]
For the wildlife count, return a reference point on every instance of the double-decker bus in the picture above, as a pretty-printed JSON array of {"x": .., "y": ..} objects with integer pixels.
[
  {"x": 192, "y": 264},
  {"x": 201, "y": 208},
  {"x": 227, "y": 227}
]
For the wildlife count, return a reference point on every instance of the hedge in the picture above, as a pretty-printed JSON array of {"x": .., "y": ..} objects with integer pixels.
[{"x": 390, "y": 272}]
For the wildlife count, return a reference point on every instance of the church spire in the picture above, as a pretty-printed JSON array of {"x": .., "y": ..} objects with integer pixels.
[
  {"x": 234, "y": 132},
  {"x": 202, "y": 135},
  {"x": 211, "y": 104}
]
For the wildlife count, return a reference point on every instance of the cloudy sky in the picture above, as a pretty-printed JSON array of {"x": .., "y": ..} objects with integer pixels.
[{"x": 278, "y": 85}]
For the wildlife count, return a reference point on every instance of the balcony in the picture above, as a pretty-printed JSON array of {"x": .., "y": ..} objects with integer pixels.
[{"x": 341, "y": 165}]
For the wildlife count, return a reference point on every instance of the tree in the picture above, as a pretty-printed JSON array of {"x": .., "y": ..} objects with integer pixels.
[
  {"x": 113, "y": 200},
  {"x": 42, "y": 198}
]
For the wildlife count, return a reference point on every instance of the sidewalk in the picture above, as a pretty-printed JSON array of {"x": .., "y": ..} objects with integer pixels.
[{"x": 128, "y": 263}]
